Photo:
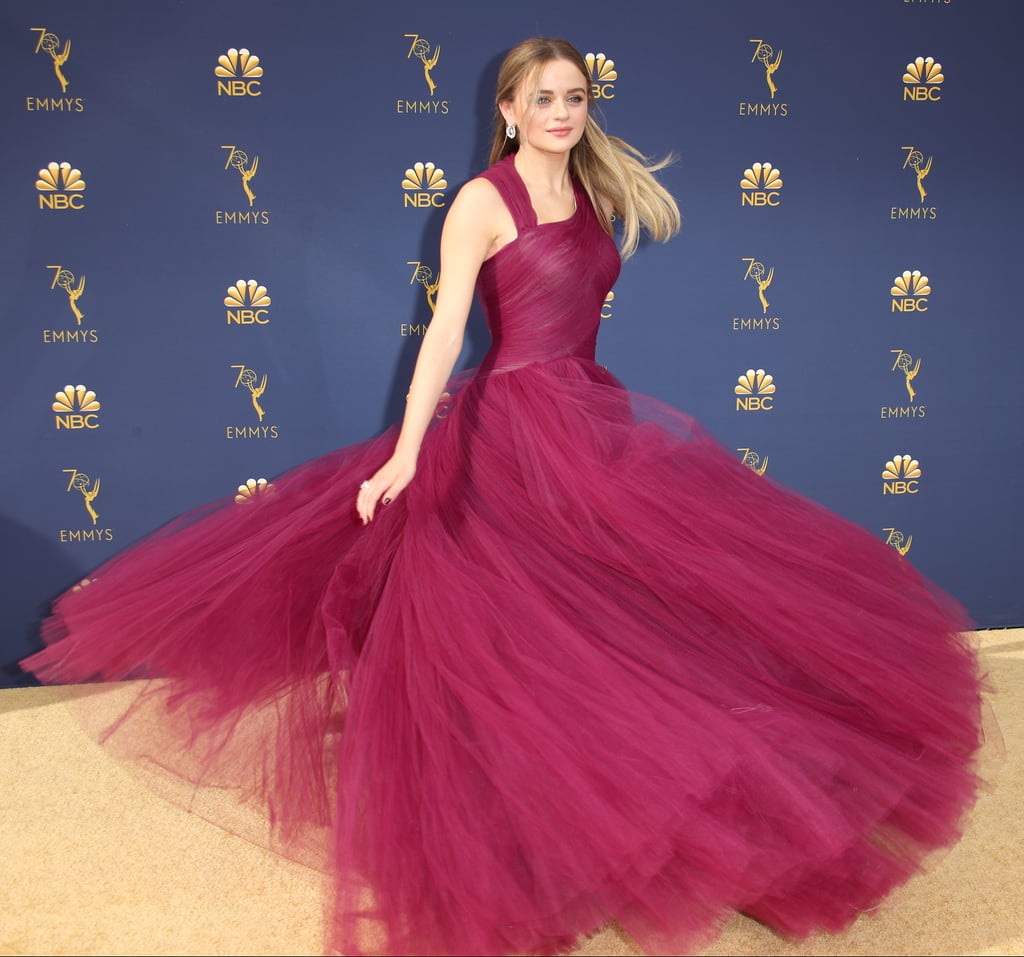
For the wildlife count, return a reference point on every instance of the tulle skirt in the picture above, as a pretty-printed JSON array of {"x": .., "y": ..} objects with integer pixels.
[{"x": 587, "y": 667}]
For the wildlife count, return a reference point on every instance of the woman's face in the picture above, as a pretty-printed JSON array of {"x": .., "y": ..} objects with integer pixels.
[{"x": 552, "y": 117}]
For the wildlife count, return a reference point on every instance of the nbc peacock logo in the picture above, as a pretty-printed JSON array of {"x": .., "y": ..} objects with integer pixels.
[
  {"x": 898, "y": 540},
  {"x": 253, "y": 491},
  {"x": 760, "y": 185},
  {"x": 606, "y": 306},
  {"x": 60, "y": 186},
  {"x": 901, "y": 475},
  {"x": 910, "y": 291},
  {"x": 602, "y": 76},
  {"x": 247, "y": 303},
  {"x": 922, "y": 80},
  {"x": 238, "y": 73},
  {"x": 753, "y": 461},
  {"x": 76, "y": 407},
  {"x": 755, "y": 391},
  {"x": 424, "y": 185}
]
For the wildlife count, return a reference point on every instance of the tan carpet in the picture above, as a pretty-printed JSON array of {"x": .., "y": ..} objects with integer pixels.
[{"x": 91, "y": 862}]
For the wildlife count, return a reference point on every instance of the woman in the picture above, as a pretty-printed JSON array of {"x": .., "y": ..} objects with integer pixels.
[{"x": 545, "y": 674}]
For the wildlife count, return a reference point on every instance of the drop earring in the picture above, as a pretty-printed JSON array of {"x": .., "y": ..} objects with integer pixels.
[{"x": 510, "y": 131}]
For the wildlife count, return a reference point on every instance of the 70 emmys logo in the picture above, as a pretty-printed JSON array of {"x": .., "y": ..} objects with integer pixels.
[
  {"x": 753, "y": 461},
  {"x": 922, "y": 80},
  {"x": 65, "y": 278},
  {"x": 764, "y": 53},
  {"x": 239, "y": 70},
  {"x": 80, "y": 482},
  {"x": 60, "y": 186},
  {"x": 247, "y": 303},
  {"x": 421, "y": 49},
  {"x": 898, "y": 540},
  {"x": 76, "y": 408},
  {"x": 602, "y": 75},
  {"x": 247, "y": 377},
  {"x": 760, "y": 185},
  {"x": 424, "y": 186},
  {"x": 238, "y": 159},
  {"x": 50, "y": 42}
]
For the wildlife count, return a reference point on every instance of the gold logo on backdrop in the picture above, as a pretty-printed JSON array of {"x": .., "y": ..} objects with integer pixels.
[
  {"x": 602, "y": 76},
  {"x": 908, "y": 367},
  {"x": 423, "y": 275},
  {"x": 899, "y": 541},
  {"x": 910, "y": 291},
  {"x": 922, "y": 80},
  {"x": 755, "y": 391},
  {"x": 915, "y": 162},
  {"x": 921, "y": 167},
  {"x": 76, "y": 408},
  {"x": 424, "y": 184},
  {"x": 65, "y": 278},
  {"x": 247, "y": 377},
  {"x": 247, "y": 303},
  {"x": 753, "y": 461},
  {"x": 762, "y": 276},
  {"x": 900, "y": 476},
  {"x": 760, "y": 185},
  {"x": 79, "y": 481},
  {"x": 606, "y": 308},
  {"x": 770, "y": 60},
  {"x": 905, "y": 363},
  {"x": 238, "y": 73},
  {"x": 253, "y": 491},
  {"x": 239, "y": 160},
  {"x": 50, "y": 43},
  {"x": 60, "y": 186},
  {"x": 420, "y": 48}
]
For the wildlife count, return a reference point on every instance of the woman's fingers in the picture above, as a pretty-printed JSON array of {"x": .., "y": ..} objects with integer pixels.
[{"x": 383, "y": 487}]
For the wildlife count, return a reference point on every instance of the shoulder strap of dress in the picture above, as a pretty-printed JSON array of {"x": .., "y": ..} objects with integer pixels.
[{"x": 503, "y": 176}]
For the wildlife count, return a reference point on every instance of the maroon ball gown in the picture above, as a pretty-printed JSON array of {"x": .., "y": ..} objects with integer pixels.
[{"x": 587, "y": 667}]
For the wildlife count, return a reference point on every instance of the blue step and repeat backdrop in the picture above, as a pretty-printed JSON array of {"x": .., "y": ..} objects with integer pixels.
[{"x": 220, "y": 247}]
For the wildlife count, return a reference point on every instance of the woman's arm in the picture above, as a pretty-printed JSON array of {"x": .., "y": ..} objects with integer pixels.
[{"x": 467, "y": 237}]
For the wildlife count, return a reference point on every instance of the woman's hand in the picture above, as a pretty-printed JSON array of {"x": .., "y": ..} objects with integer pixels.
[{"x": 384, "y": 486}]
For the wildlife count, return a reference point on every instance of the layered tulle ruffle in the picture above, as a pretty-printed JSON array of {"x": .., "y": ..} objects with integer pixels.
[{"x": 558, "y": 681}]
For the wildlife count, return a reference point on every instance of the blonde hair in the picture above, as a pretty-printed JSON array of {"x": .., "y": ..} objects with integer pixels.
[{"x": 609, "y": 169}]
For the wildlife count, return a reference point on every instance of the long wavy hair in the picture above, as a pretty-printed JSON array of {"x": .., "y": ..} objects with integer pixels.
[{"x": 613, "y": 173}]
